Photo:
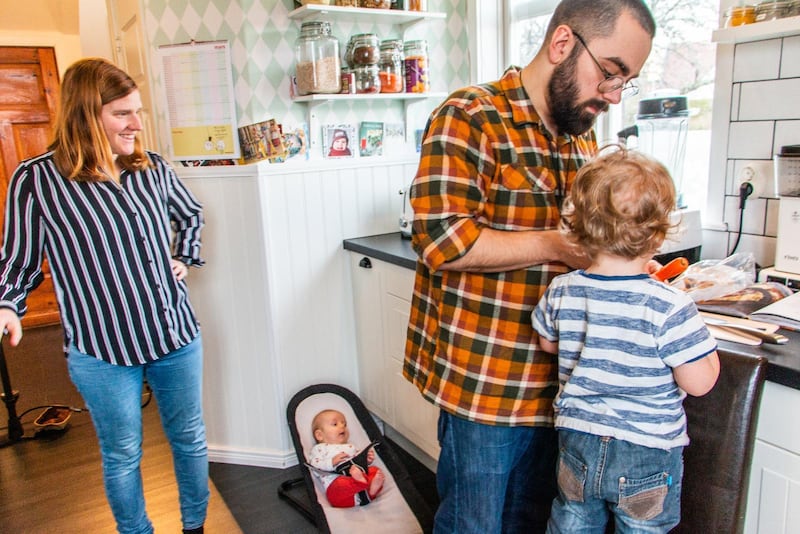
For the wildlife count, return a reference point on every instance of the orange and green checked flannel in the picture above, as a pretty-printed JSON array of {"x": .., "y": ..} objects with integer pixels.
[{"x": 487, "y": 161}]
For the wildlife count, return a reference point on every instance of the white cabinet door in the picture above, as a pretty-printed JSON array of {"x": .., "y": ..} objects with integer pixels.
[
  {"x": 382, "y": 297},
  {"x": 369, "y": 334},
  {"x": 773, "y": 504},
  {"x": 773, "y": 497}
]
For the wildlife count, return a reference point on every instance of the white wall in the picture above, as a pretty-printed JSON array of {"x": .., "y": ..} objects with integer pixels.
[{"x": 756, "y": 111}]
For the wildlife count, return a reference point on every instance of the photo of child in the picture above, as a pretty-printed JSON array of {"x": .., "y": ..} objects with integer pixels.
[{"x": 338, "y": 140}]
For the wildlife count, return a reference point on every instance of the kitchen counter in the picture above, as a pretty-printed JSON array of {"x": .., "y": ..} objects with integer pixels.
[{"x": 784, "y": 360}]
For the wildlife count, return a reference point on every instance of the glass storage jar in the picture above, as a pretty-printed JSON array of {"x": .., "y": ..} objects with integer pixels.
[
  {"x": 318, "y": 68},
  {"x": 380, "y": 4},
  {"x": 365, "y": 50},
  {"x": 771, "y": 10},
  {"x": 416, "y": 66},
  {"x": 391, "y": 66},
  {"x": 738, "y": 16},
  {"x": 367, "y": 79}
]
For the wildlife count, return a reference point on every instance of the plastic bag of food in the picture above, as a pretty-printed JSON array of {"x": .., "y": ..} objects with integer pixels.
[{"x": 708, "y": 279}]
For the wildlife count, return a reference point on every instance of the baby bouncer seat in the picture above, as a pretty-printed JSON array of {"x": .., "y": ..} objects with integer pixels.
[{"x": 399, "y": 508}]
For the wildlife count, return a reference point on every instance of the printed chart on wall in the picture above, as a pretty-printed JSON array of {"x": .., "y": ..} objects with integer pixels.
[{"x": 201, "y": 111}]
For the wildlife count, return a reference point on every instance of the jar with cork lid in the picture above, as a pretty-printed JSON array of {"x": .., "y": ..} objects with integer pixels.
[
  {"x": 318, "y": 67},
  {"x": 391, "y": 66}
]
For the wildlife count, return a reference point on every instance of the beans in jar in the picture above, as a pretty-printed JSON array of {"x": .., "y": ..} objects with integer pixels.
[
  {"x": 365, "y": 49},
  {"x": 367, "y": 79}
]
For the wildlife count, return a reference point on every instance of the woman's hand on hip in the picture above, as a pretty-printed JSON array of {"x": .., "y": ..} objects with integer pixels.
[
  {"x": 10, "y": 324},
  {"x": 179, "y": 269}
]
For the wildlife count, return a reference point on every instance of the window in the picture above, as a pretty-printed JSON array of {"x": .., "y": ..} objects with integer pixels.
[{"x": 681, "y": 62}]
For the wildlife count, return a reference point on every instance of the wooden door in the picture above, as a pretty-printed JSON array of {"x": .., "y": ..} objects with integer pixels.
[
  {"x": 29, "y": 92},
  {"x": 130, "y": 54}
]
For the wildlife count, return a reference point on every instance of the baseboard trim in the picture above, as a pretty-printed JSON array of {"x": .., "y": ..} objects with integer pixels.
[{"x": 257, "y": 458}]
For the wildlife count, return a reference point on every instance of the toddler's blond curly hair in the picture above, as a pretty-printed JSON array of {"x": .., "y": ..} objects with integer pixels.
[{"x": 620, "y": 204}]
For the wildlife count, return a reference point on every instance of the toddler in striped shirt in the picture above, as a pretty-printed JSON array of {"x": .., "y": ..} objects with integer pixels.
[{"x": 629, "y": 350}]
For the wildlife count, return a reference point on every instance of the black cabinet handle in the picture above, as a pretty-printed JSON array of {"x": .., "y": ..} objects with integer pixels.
[{"x": 365, "y": 263}]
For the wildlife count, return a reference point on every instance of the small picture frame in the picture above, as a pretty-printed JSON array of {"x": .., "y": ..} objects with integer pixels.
[
  {"x": 339, "y": 141},
  {"x": 370, "y": 139}
]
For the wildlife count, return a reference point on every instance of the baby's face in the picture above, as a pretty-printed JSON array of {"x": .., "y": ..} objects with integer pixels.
[{"x": 333, "y": 429}]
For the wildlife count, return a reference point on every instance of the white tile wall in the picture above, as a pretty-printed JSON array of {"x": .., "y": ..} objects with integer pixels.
[
  {"x": 760, "y": 60},
  {"x": 790, "y": 63},
  {"x": 764, "y": 115},
  {"x": 774, "y": 99},
  {"x": 750, "y": 140}
]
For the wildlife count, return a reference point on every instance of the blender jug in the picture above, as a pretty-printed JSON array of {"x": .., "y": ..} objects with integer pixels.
[{"x": 662, "y": 125}]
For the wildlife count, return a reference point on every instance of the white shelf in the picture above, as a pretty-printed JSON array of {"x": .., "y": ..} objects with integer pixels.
[
  {"x": 319, "y": 98},
  {"x": 758, "y": 31},
  {"x": 355, "y": 14}
]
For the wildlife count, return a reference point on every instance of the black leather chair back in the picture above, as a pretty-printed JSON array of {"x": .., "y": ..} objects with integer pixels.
[{"x": 722, "y": 432}]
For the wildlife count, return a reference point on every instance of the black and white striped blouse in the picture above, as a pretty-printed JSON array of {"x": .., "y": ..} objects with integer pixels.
[{"x": 109, "y": 248}]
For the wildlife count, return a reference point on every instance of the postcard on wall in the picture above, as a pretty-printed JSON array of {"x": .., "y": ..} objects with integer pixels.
[
  {"x": 394, "y": 138},
  {"x": 370, "y": 139},
  {"x": 296, "y": 141},
  {"x": 338, "y": 140}
]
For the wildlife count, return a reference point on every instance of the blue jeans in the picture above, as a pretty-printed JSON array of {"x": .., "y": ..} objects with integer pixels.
[
  {"x": 599, "y": 477},
  {"x": 494, "y": 479},
  {"x": 113, "y": 394}
]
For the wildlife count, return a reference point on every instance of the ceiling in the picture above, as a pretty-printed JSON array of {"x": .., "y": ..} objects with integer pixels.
[{"x": 39, "y": 15}]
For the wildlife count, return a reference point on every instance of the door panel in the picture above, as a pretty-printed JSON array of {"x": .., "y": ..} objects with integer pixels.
[
  {"x": 130, "y": 54},
  {"x": 29, "y": 92}
]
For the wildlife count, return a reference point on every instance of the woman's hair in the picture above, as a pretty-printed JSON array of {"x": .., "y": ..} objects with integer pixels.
[
  {"x": 81, "y": 148},
  {"x": 596, "y": 18},
  {"x": 620, "y": 204}
]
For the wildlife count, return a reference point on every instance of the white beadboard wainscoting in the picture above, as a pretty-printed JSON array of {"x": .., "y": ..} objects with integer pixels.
[{"x": 274, "y": 298}]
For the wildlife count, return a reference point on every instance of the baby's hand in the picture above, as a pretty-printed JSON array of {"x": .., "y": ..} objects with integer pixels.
[
  {"x": 370, "y": 456},
  {"x": 339, "y": 458}
]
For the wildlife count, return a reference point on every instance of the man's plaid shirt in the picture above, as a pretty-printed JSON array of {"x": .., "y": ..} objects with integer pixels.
[{"x": 487, "y": 161}]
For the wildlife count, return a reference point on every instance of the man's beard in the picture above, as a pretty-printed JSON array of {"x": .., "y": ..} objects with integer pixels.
[{"x": 562, "y": 93}]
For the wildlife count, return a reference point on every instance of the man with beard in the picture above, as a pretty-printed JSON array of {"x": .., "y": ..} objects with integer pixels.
[{"x": 497, "y": 161}]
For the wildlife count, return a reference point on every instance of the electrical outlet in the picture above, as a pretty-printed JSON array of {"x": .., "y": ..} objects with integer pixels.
[{"x": 759, "y": 174}]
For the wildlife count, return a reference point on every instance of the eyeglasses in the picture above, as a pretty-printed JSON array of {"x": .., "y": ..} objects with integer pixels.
[{"x": 611, "y": 82}]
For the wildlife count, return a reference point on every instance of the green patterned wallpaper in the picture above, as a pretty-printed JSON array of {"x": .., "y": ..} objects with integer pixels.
[{"x": 262, "y": 36}]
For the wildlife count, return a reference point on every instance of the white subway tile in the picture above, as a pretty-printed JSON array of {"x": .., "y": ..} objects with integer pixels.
[
  {"x": 775, "y": 99},
  {"x": 759, "y": 60},
  {"x": 735, "y": 99},
  {"x": 750, "y": 140},
  {"x": 771, "y": 229},
  {"x": 763, "y": 248},
  {"x": 790, "y": 58},
  {"x": 715, "y": 245}
]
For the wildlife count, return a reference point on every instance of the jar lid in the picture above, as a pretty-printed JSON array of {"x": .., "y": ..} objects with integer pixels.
[
  {"x": 663, "y": 107},
  {"x": 311, "y": 26},
  {"x": 740, "y": 10},
  {"x": 364, "y": 37},
  {"x": 415, "y": 44}
]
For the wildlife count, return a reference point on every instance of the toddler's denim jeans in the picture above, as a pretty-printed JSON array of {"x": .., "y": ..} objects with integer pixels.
[{"x": 603, "y": 479}]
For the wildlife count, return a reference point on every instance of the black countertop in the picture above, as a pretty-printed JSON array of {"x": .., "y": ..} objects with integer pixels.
[{"x": 784, "y": 360}]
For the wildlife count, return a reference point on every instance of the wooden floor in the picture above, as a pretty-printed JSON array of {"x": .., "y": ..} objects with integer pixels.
[{"x": 54, "y": 483}]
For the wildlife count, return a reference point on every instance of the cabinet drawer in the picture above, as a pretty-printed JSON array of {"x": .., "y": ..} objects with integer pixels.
[
  {"x": 399, "y": 281},
  {"x": 775, "y": 423}
]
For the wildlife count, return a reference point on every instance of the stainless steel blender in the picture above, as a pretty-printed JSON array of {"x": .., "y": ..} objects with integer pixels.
[{"x": 661, "y": 128}]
